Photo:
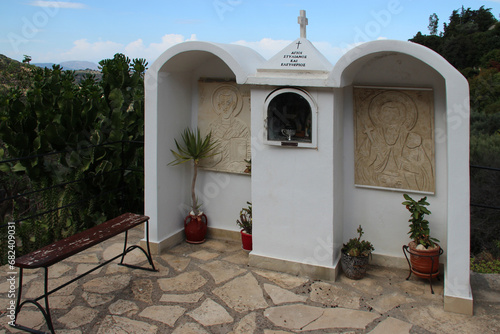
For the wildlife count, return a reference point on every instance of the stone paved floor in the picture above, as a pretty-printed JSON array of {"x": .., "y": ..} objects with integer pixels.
[{"x": 209, "y": 288}]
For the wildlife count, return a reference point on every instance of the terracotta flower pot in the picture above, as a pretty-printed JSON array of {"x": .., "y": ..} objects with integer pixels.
[
  {"x": 354, "y": 267},
  {"x": 246, "y": 240},
  {"x": 195, "y": 228},
  {"x": 424, "y": 262}
]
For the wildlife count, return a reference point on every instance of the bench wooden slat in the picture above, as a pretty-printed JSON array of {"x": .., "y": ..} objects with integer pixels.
[{"x": 74, "y": 244}]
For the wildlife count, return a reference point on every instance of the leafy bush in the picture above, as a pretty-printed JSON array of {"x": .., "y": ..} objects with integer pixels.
[
  {"x": 93, "y": 126},
  {"x": 486, "y": 262}
]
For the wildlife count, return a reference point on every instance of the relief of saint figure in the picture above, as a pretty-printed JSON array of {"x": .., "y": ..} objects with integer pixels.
[
  {"x": 232, "y": 133},
  {"x": 394, "y": 142}
]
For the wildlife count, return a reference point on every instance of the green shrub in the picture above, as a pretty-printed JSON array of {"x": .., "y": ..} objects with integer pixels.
[
  {"x": 485, "y": 266},
  {"x": 55, "y": 113}
]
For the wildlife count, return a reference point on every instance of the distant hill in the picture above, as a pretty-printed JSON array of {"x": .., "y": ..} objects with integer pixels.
[
  {"x": 13, "y": 74},
  {"x": 72, "y": 65}
]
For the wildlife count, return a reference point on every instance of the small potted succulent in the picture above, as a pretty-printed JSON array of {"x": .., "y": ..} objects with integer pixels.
[
  {"x": 245, "y": 224},
  {"x": 194, "y": 147},
  {"x": 355, "y": 255},
  {"x": 424, "y": 250}
]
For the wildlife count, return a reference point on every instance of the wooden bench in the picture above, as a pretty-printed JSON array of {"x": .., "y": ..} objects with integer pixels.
[{"x": 62, "y": 249}]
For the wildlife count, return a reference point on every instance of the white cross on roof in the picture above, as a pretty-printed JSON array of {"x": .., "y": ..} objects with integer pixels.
[{"x": 302, "y": 20}]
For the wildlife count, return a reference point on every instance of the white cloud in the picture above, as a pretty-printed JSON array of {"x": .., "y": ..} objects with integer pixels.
[
  {"x": 267, "y": 47},
  {"x": 331, "y": 52},
  {"x": 334, "y": 52},
  {"x": 58, "y": 4},
  {"x": 137, "y": 49},
  {"x": 83, "y": 49}
]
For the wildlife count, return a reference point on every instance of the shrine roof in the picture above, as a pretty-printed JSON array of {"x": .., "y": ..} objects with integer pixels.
[{"x": 299, "y": 64}]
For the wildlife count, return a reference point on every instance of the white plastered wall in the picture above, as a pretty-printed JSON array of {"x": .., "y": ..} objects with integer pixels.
[
  {"x": 292, "y": 190},
  {"x": 380, "y": 212},
  {"x": 384, "y": 219},
  {"x": 172, "y": 105}
]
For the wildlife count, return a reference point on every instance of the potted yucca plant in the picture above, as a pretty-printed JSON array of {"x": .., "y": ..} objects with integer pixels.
[
  {"x": 192, "y": 148},
  {"x": 355, "y": 255},
  {"x": 245, "y": 224}
]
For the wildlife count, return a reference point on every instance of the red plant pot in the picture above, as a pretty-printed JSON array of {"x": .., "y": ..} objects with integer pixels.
[
  {"x": 195, "y": 228},
  {"x": 246, "y": 240},
  {"x": 424, "y": 262}
]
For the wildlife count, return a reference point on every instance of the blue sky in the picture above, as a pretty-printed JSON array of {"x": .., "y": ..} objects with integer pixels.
[{"x": 92, "y": 30}]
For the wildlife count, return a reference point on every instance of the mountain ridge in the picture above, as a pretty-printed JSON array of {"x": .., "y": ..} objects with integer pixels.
[{"x": 72, "y": 65}]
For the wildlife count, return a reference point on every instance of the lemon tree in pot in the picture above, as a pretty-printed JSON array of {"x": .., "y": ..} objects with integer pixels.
[
  {"x": 424, "y": 250},
  {"x": 245, "y": 224},
  {"x": 355, "y": 255},
  {"x": 192, "y": 148}
]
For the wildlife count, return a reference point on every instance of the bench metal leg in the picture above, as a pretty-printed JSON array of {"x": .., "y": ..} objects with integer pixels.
[
  {"x": 45, "y": 311},
  {"x": 131, "y": 248}
]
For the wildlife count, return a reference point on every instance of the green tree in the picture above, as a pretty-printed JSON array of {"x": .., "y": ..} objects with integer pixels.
[
  {"x": 27, "y": 59},
  {"x": 485, "y": 91},
  {"x": 467, "y": 36},
  {"x": 433, "y": 24},
  {"x": 468, "y": 21},
  {"x": 491, "y": 60},
  {"x": 431, "y": 41}
]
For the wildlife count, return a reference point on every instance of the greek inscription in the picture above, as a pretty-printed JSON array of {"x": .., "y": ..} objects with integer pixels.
[
  {"x": 292, "y": 59},
  {"x": 293, "y": 64}
]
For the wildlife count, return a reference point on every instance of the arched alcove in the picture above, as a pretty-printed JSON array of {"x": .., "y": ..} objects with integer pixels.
[
  {"x": 172, "y": 105},
  {"x": 397, "y": 65},
  {"x": 395, "y": 72}
]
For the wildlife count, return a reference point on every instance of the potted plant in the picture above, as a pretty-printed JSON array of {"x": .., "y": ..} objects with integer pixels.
[
  {"x": 354, "y": 256},
  {"x": 194, "y": 147},
  {"x": 423, "y": 249},
  {"x": 245, "y": 223}
]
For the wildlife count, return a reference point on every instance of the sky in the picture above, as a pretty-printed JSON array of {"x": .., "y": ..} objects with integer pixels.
[{"x": 92, "y": 30}]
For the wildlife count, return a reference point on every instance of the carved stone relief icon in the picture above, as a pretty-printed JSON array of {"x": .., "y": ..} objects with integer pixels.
[
  {"x": 224, "y": 109},
  {"x": 394, "y": 139}
]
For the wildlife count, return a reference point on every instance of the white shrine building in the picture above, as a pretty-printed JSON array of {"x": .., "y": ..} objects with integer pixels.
[{"x": 332, "y": 147}]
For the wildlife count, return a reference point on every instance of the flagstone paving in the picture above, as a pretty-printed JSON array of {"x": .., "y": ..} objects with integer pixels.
[{"x": 209, "y": 288}]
